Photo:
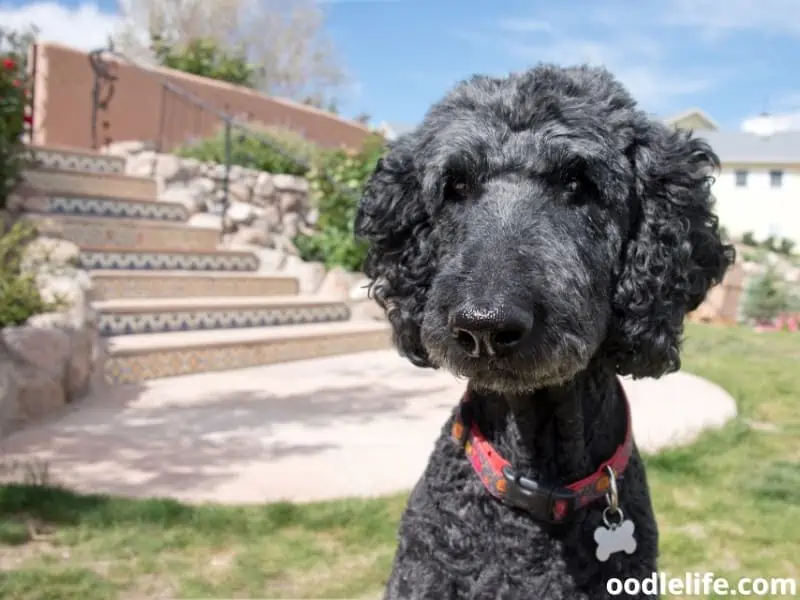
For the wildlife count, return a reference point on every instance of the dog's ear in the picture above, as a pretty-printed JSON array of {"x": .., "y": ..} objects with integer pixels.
[
  {"x": 675, "y": 253},
  {"x": 401, "y": 261}
]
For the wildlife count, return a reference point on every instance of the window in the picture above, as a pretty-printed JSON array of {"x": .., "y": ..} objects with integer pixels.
[
  {"x": 741, "y": 178},
  {"x": 775, "y": 179}
]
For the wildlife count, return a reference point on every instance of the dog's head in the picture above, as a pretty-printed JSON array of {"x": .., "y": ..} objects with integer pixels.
[{"x": 536, "y": 222}]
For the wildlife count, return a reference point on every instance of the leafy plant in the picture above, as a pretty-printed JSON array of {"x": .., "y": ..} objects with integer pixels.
[
  {"x": 786, "y": 246},
  {"x": 336, "y": 183},
  {"x": 767, "y": 297},
  {"x": 204, "y": 57},
  {"x": 336, "y": 178},
  {"x": 271, "y": 149},
  {"x": 14, "y": 108},
  {"x": 748, "y": 239},
  {"x": 19, "y": 294}
]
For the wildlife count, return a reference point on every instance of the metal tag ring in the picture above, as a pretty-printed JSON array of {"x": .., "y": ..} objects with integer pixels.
[{"x": 618, "y": 512}]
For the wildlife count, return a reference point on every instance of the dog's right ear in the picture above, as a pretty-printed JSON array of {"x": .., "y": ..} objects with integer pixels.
[
  {"x": 391, "y": 187},
  {"x": 401, "y": 261}
]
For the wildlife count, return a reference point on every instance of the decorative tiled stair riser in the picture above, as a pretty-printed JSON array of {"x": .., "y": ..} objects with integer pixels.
[
  {"x": 69, "y": 160},
  {"x": 148, "y": 284},
  {"x": 126, "y": 233},
  {"x": 160, "y": 261},
  {"x": 116, "y": 208},
  {"x": 231, "y": 318},
  {"x": 106, "y": 185},
  {"x": 156, "y": 364},
  {"x": 169, "y": 303}
]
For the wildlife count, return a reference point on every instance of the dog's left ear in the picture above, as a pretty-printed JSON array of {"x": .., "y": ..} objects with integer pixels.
[{"x": 675, "y": 253}]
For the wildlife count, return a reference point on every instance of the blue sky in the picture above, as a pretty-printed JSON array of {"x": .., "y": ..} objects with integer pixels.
[{"x": 732, "y": 58}]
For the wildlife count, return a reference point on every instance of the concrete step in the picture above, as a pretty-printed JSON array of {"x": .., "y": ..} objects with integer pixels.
[
  {"x": 163, "y": 315},
  {"x": 53, "y": 158},
  {"x": 104, "y": 185},
  {"x": 137, "y": 358},
  {"x": 121, "y": 284},
  {"x": 167, "y": 259},
  {"x": 117, "y": 208},
  {"x": 113, "y": 233}
]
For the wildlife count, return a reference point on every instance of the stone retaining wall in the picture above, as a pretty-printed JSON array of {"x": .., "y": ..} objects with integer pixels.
[
  {"x": 265, "y": 209},
  {"x": 51, "y": 359}
]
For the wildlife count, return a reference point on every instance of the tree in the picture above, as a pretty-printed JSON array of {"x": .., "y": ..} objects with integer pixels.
[
  {"x": 286, "y": 38},
  {"x": 204, "y": 57},
  {"x": 767, "y": 297}
]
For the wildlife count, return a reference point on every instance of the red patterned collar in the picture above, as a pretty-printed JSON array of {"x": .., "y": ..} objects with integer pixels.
[{"x": 552, "y": 504}]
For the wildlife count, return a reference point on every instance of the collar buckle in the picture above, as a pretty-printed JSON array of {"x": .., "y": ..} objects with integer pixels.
[{"x": 548, "y": 504}]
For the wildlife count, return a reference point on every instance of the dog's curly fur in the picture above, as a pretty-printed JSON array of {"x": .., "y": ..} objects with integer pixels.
[{"x": 547, "y": 194}]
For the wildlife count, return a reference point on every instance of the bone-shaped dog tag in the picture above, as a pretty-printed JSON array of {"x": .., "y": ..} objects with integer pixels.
[{"x": 614, "y": 538}]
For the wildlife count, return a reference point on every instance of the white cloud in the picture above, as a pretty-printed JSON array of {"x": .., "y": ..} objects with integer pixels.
[
  {"x": 717, "y": 18},
  {"x": 767, "y": 124},
  {"x": 525, "y": 25},
  {"x": 784, "y": 115},
  {"x": 618, "y": 40},
  {"x": 83, "y": 27}
]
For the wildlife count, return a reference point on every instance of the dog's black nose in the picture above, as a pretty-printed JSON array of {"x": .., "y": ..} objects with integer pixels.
[{"x": 490, "y": 329}]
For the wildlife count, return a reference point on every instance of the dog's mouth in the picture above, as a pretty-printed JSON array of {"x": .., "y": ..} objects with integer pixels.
[
  {"x": 519, "y": 375},
  {"x": 534, "y": 367}
]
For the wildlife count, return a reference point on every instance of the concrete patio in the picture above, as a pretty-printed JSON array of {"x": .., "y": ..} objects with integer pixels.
[{"x": 354, "y": 425}]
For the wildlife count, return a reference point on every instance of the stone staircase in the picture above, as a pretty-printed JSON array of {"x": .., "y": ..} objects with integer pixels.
[{"x": 169, "y": 300}]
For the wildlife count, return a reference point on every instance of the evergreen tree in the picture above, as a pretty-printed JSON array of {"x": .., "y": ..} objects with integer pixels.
[{"x": 767, "y": 297}]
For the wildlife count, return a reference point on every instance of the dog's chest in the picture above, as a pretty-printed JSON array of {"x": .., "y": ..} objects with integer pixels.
[{"x": 479, "y": 544}]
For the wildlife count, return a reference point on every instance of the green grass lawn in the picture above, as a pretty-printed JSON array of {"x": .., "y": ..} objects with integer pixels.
[{"x": 728, "y": 504}]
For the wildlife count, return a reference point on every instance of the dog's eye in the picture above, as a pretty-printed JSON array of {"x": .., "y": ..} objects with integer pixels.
[
  {"x": 456, "y": 188},
  {"x": 573, "y": 185}
]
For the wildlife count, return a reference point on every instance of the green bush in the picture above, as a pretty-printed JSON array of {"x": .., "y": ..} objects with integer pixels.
[
  {"x": 748, "y": 239},
  {"x": 786, "y": 246},
  {"x": 336, "y": 183},
  {"x": 19, "y": 295},
  {"x": 204, "y": 57},
  {"x": 336, "y": 178},
  {"x": 766, "y": 297},
  {"x": 257, "y": 151}
]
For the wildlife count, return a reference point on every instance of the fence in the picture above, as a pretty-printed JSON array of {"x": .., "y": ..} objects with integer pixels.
[{"x": 135, "y": 106}]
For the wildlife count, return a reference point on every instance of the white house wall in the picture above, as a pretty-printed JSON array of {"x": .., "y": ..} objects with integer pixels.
[{"x": 758, "y": 207}]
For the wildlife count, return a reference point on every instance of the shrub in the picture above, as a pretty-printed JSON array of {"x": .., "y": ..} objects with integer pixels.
[
  {"x": 270, "y": 149},
  {"x": 19, "y": 295},
  {"x": 336, "y": 178},
  {"x": 204, "y": 57},
  {"x": 14, "y": 115},
  {"x": 786, "y": 246},
  {"x": 336, "y": 183},
  {"x": 748, "y": 239},
  {"x": 766, "y": 297}
]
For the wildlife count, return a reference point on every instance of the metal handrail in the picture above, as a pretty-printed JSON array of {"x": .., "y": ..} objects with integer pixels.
[{"x": 100, "y": 68}]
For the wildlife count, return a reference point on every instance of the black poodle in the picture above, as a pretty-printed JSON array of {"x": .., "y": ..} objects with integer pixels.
[{"x": 538, "y": 234}]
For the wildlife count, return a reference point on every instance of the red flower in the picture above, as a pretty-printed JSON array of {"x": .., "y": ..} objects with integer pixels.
[
  {"x": 28, "y": 119},
  {"x": 16, "y": 83},
  {"x": 9, "y": 64}
]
